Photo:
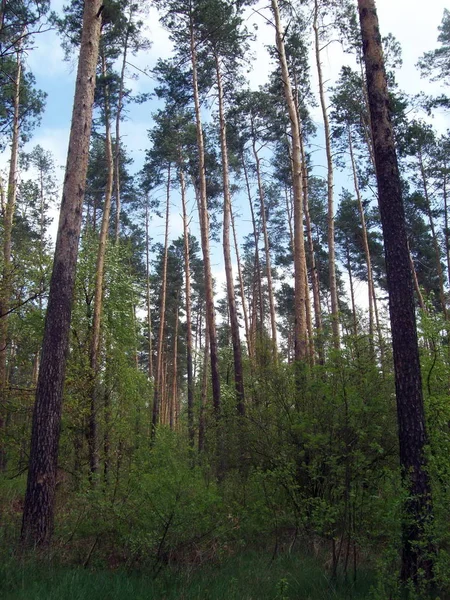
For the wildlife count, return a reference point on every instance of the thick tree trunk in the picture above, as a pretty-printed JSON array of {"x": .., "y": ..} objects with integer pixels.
[
  {"x": 6, "y": 283},
  {"x": 38, "y": 516},
  {"x": 158, "y": 392},
  {"x": 234, "y": 322},
  {"x": 330, "y": 186},
  {"x": 99, "y": 282},
  {"x": 204, "y": 231},
  {"x": 300, "y": 342},
  {"x": 416, "y": 555}
]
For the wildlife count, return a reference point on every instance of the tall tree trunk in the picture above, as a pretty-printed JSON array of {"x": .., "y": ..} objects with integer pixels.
[
  {"x": 300, "y": 344},
  {"x": 118, "y": 117},
  {"x": 148, "y": 299},
  {"x": 437, "y": 250},
  {"x": 99, "y": 283},
  {"x": 204, "y": 231},
  {"x": 257, "y": 276},
  {"x": 234, "y": 323},
  {"x": 241, "y": 288},
  {"x": 312, "y": 261},
  {"x": 273, "y": 317},
  {"x": 365, "y": 240},
  {"x": 38, "y": 515},
  {"x": 173, "y": 396},
  {"x": 416, "y": 554},
  {"x": 330, "y": 186},
  {"x": 6, "y": 282},
  {"x": 203, "y": 395},
  {"x": 158, "y": 392},
  {"x": 187, "y": 286}
]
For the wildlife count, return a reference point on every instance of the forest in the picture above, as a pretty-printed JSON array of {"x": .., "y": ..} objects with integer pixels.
[{"x": 225, "y": 368}]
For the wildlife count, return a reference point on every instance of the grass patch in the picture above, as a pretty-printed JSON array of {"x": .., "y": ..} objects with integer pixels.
[{"x": 250, "y": 576}]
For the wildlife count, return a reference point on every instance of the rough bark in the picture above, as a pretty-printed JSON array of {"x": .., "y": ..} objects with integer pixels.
[
  {"x": 38, "y": 516},
  {"x": 416, "y": 555},
  {"x": 234, "y": 322},
  {"x": 300, "y": 340}
]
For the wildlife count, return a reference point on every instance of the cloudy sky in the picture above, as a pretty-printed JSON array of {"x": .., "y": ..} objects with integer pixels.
[{"x": 413, "y": 22}]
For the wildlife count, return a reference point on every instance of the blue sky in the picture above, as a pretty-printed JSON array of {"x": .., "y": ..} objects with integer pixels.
[{"x": 414, "y": 27}]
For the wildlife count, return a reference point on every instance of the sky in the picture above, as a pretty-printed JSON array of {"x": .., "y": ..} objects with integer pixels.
[{"x": 413, "y": 22}]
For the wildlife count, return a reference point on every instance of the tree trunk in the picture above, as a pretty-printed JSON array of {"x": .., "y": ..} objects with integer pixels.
[
  {"x": 365, "y": 240},
  {"x": 234, "y": 323},
  {"x": 118, "y": 116},
  {"x": 203, "y": 395},
  {"x": 273, "y": 317},
  {"x": 300, "y": 343},
  {"x": 330, "y": 187},
  {"x": 147, "y": 282},
  {"x": 187, "y": 282},
  {"x": 158, "y": 393},
  {"x": 416, "y": 555},
  {"x": 99, "y": 282},
  {"x": 38, "y": 516},
  {"x": 204, "y": 231},
  {"x": 241, "y": 287},
  {"x": 6, "y": 283}
]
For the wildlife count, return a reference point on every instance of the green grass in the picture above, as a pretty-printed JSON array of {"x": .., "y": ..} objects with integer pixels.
[{"x": 251, "y": 576}]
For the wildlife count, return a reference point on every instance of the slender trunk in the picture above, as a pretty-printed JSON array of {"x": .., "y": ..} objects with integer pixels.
[
  {"x": 38, "y": 515},
  {"x": 148, "y": 299},
  {"x": 187, "y": 282},
  {"x": 417, "y": 550},
  {"x": 273, "y": 318},
  {"x": 118, "y": 117},
  {"x": 365, "y": 240},
  {"x": 257, "y": 275},
  {"x": 203, "y": 395},
  {"x": 300, "y": 344},
  {"x": 352, "y": 290},
  {"x": 234, "y": 323},
  {"x": 173, "y": 401},
  {"x": 99, "y": 283},
  {"x": 158, "y": 393},
  {"x": 204, "y": 231},
  {"x": 437, "y": 250},
  {"x": 447, "y": 232},
  {"x": 312, "y": 260},
  {"x": 6, "y": 282},
  {"x": 330, "y": 187},
  {"x": 241, "y": 287},
  {"x": 416, "y": 282}
]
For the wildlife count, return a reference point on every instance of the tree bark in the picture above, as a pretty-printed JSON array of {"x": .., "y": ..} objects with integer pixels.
[
  {"x": 38, "y": 516},
  {"x": 6, "y": 283},
  {"x": 204, "y": 231},
  {"x": 99, "y": 283},
  {"x": 158, "y": 393},
  {"x": 300, "y": 340},
  {"x": 330, "y": 187},
  {"x": 187, "y": 285},
  {"x": 416, "y": 555},
  {"x": 234, "y": 323}
]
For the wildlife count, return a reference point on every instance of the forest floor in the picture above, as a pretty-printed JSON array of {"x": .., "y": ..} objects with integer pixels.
[{"x": 249, "y": 576}]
